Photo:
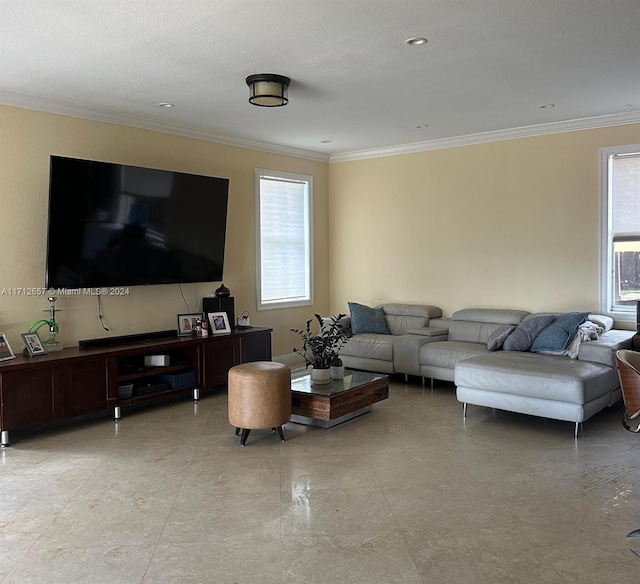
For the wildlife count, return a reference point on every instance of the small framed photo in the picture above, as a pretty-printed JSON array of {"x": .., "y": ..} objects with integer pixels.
[
  {"x": 33, "y": 344},
  {"x": 219, "y": 322},
  {"x": 188, "y": 323},
  {"x": 5, "y": 349}
]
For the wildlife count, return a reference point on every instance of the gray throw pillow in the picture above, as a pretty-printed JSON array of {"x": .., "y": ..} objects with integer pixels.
[
  {"x": 559, "y": 334},
  {"x": 497, "y": 337},
  {"x": 365, "y": 319},
  {"x": 522, "y": 338}
]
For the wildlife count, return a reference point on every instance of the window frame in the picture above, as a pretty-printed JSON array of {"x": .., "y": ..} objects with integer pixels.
[
  {"x": 287, "y": 176},
  {"x": 607, "y": 257}
]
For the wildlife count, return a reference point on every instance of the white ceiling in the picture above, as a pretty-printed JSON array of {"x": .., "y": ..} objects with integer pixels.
[{"x": 488, "y": 66}]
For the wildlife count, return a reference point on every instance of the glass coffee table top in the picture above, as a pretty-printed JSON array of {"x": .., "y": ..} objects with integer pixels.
[{"x": 301, "y": 382}]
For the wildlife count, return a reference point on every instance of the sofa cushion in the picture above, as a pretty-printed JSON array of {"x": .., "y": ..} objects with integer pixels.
[
  {"x": 494, "y": 315},
  {"x": 471, "y": 332},
  {"x": 447, "y": 353},
  {"x": 557, "y": 336},
  {"x": 426, "y": 311},
  {"x": 365, "y": 319},
  {"x": 401, "y": 318},
  {"x": 522, "y": 338},
  {"x": 371, "y": 346},
  {"x": 399, "y": 324},
  {"x": 497, "y": 337}
]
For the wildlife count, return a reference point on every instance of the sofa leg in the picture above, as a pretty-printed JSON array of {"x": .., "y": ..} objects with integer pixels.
[
  {"x": 578, "y": 431},
  {"x": 432, "y": 383},
  {"x": 464, "y": 410},
  {"x": 422, "y": 378},
  {"x": 406, "y": 378}
]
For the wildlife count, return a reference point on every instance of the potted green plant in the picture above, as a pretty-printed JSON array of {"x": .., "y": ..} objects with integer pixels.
[{"x": 319, "y": 350}]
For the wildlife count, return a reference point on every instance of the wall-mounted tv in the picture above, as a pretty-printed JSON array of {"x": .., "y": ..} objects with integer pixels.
[{"x": 118, "y": 225}]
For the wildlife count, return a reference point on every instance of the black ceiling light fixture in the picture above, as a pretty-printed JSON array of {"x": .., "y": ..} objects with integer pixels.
[{"x": 268, "y": 90}]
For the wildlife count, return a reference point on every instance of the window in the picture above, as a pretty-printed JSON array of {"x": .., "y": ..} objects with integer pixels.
[
  {"x": 284, "y": 236},
  {"x": 620, "y": 280}
]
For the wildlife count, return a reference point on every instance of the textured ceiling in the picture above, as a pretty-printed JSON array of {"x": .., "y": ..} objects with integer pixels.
[{"x": 488, "y": 65}]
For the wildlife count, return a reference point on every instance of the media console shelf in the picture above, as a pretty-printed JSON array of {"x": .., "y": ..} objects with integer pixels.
[{"x": 39, "y": 391}]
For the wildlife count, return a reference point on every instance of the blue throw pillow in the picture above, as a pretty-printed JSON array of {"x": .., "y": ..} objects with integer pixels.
[
  {"x": 557, "y": 336},
  {"x": 365, "y": 319},
  {"x": 522, "y": 338},
  {"x": 496, "y": 338}
]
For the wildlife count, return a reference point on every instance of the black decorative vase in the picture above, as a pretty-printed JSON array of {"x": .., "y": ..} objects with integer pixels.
[{"x": 223, "y": 292}]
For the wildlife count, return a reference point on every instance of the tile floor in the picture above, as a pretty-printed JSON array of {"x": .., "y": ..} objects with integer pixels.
[{"x": 409, "y": 493}]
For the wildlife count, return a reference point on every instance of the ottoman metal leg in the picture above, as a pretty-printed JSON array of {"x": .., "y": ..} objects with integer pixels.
[
  {"x": 245, "y": 435},
  {"x": 281, "y": 433}
]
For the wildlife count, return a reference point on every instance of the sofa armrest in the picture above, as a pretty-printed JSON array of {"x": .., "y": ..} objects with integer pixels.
[
  {"x": 429, "y": 331},
  {"x": 406, "y": 350},
  {"x": 604, "y": 349}
]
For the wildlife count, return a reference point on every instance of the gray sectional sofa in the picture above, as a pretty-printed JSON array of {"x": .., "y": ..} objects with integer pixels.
[
  {"x": 378, "y": 352},
  {"x": 455, "y": 349}
]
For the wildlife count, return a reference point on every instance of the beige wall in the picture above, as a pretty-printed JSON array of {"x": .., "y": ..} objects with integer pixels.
[
  {"x": 504, "y": 224},
  {"x": 512, "y": 223},
  {"x": 28, "y": 138}
]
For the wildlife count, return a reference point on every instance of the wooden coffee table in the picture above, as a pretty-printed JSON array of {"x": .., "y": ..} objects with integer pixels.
[{"x": 329, "y": 404}]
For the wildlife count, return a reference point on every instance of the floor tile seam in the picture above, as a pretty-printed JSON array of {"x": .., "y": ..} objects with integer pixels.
[
  {"x": 537, "y": 556},
  {"x": 173, "y": 504},
  {"x": 17, "y": 563},
  {"x": 401, "y": 533},
  {"x": 372, "y": 468},
  {"x": 395, "y": 519},
  {"x": 71, "y": 498}
]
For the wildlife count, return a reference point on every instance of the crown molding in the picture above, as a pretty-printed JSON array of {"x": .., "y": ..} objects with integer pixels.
[
  {"x": 495, "y": 136},
  {"x": 79, "y": 111}
]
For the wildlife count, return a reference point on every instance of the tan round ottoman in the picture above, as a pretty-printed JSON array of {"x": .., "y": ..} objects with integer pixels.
[{"x": 259, "y": 397}]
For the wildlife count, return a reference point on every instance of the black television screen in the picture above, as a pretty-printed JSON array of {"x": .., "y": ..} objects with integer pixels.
[{"x": 118, "y": 225}]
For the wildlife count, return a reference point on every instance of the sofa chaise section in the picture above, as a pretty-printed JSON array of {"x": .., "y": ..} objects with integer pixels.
[{"x": 549, "y": 386}]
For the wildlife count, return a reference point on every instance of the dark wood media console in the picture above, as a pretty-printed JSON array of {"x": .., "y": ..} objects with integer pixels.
[{"x": 39, "y": 391}]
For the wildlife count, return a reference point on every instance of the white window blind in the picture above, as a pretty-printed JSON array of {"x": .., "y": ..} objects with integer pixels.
[
  {"x": 621, "y": 234},
  {"x": 284, "y": 239}
]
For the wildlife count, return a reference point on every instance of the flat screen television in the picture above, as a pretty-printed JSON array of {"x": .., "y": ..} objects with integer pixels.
[{"x": 118, "y": 225}]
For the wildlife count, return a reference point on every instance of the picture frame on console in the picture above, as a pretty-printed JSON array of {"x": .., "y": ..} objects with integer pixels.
[
  {"x": 5, "y": 349},
  {"x": 219, "y": 322},
  {"x": 188, "y": 323},
  {"x": 33, "y": 344}
]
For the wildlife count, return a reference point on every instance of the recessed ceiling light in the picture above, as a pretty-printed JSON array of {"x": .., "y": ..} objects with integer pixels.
[
  {"x": 165, "y": 104},
  {"x": 416, "y": 41},
  {"x": 420, "y": 126},
  {"x": 326, "y": 141},
  {"x": 547, "y": 105}
]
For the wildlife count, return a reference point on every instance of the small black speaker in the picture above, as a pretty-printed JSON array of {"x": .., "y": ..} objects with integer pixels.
[{"x": 220, "y": 304}]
